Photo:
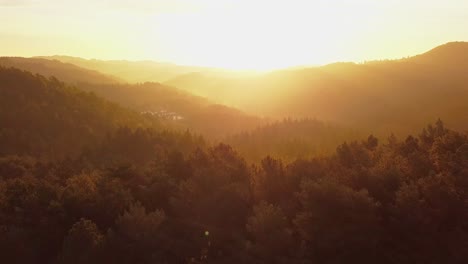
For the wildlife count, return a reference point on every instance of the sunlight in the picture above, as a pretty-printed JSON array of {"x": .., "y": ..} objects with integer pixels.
[
  {"x": 250, "y": 36},
  {"x": 233, "y": 131},
  {"x": 241, "y": 34}
]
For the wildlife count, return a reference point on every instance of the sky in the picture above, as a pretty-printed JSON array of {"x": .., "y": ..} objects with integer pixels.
[{"x": 234, "y": 34}]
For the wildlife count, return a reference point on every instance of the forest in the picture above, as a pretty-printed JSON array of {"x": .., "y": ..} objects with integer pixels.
[{"x": 97, "y": 169}]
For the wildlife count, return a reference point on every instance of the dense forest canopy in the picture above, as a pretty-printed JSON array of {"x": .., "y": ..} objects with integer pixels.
[
  {"x": 386, "y": 201},
  {"x": 291, "y": 139},
  {"x": 95, "y": 170}
]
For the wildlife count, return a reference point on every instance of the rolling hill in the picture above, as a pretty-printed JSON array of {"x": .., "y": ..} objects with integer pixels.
[
  {"x": 175, "y": 106},
  {"x": 403, "y": 94},
  {"x": 142, "y": 71},
  {"x": 64, "y": 71},
  {"x": 178, "y": 107},
  {"x": 43, "y": 117}
]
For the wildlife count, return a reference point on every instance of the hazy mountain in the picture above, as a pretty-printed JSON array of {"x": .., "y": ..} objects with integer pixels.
[
  {"x": 141, "y": 71},
  {"x": 178, "y": 107},
  {"x": 64, "y": 71},
  {"x": 403, "y": 94},
  {"x": 399, "y": 96},
  {"x": 452, "y": 53},
  {"x": 175, "y": 106}
]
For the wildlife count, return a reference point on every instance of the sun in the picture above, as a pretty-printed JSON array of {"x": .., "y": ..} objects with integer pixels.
[{"x": 251, "y": 37}]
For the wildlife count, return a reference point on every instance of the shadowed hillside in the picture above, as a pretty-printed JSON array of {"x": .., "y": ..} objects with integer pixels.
[
  {"x": 44, "y": 117},
  {"x": 179, "y": 107},
  {"x": 173, "y": 105}
]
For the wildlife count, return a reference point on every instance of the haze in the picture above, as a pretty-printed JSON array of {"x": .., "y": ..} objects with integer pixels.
[
  {"x": 210, "y": 131},
  {"x": 260, "y": 35}
]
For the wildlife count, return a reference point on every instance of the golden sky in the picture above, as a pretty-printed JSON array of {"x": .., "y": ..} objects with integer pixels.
[{"x": 237, "y": 34}]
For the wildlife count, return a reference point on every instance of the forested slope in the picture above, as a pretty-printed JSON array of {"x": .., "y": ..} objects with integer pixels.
[
  {"x": 44, "y": 117},
  {"x": 399, "y": 95},
  {"x": 175, "y": 106},
  {"x": 185, "y": 110}
]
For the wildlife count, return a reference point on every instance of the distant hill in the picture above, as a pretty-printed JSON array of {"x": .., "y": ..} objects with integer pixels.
[
  {"x": 179, "y": 107},
  {"x": 44, "y": 117},
  {"x": 173, "y": 105},
  {"x": 64, "y": 71},
  {"x": 222, "y": 89},
  {"x": 452, "y": 53},
  {"x": 399, "y": 96},
  {"x": 139, "y": 71}
]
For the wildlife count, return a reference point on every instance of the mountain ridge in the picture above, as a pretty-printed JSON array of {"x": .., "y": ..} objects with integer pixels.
[{"x": 65, "y": 71}]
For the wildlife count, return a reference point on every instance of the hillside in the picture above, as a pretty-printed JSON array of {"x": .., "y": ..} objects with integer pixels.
[
  {"x": 147, "y": 71},
  {"x": 178, "y": 107},
  {"x": 64, "y": 71},
  {"x": 84, "y": 180},
  {"x": 134, "y": 71},
  {"x": 403, "y": 94},
  {"x": 43, "y": 117},
  {"x": 452, "y": 53}
]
